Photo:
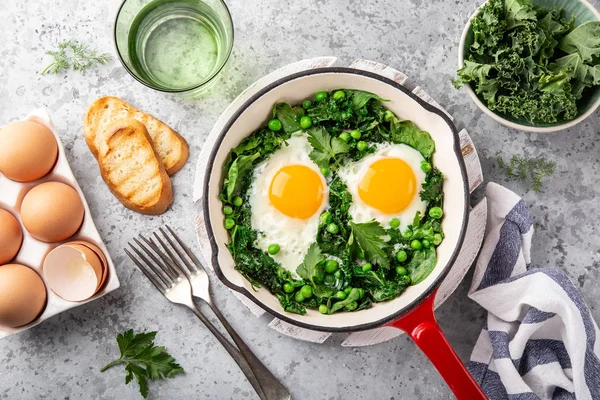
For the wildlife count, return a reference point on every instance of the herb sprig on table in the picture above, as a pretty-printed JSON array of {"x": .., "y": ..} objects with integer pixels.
[
  {"x": 534, "y": 169},
  {"x": 78, "y": 56},
  {"x": 143, "y": 359},
  {"x": 531, "y": 63}
]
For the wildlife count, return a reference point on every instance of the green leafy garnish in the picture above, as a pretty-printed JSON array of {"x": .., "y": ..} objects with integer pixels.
[
  {"x": 406, "y": 132},
  {"x": 368, "y": 237},
  {"x": 421, "y": 265},
  {"x": 523, "y": 168},
  {"x": 360, "y": 98},
  {"x": 143, "y": 360},
  {"x": 324, "y": 146},
  {"x": 240, "y": 167},
  {"x": 529, "y": 63},
  {"x": 311, "y": 266},
  {"x": 78, "y": 56},
  {"x": 289, "y": 116},
  {"x": 354, "y": 295}
]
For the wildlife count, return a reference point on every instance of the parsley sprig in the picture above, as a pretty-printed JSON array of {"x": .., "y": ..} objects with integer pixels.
[
  {"x": 143, "y": 360},
  {"x": 522, "y": 168},
  {"x": 78, "y": 56}
]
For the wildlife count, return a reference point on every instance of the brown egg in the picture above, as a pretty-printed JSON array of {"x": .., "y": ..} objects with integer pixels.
[
  {"x": 52, "y": 211},
  {"x": 28, "y": 151},
  {"x": 22, "y": 295},
  {"x": 11, "y": 236}
]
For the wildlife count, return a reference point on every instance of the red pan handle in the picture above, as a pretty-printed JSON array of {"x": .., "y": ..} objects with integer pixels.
[{"x": 421, "y": 326}]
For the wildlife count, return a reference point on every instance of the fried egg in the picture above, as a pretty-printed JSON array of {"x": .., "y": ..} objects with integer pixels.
[
  {"x": 286, "y": 197},
  {"x": 386, "y": 185}
]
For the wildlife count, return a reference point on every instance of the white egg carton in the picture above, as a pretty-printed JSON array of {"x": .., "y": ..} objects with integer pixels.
[{"x": 33, "y": 251}]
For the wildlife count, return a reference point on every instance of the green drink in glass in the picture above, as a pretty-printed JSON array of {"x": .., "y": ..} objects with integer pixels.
[{"x": 176, "y": 46}]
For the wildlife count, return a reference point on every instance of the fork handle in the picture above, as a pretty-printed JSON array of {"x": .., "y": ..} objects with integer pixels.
[
  {"x": 235, "y": 354},
  {"x": 271, "y": 386}
]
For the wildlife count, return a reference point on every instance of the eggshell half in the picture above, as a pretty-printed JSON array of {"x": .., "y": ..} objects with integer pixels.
[
  {"x": 72, "y": 272},
  {"x": 100, "y": 254},
  {"x": 52, "y": 211},
  {"x": 22, "y": 295},
  {"x": 28, "y": 151},
  {"x": 11, "y": 236}
]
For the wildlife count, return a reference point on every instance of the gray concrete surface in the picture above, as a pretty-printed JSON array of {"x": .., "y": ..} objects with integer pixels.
[{"x": 61, "y": 358}]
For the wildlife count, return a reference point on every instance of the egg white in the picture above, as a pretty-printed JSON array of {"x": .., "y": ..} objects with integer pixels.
[
  {"x": 293, "y": 235},
  {"x": 352, "y": 173}
]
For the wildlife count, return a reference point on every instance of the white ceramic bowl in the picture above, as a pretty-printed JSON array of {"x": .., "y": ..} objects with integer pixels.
[
  {"x": 584, "y": 11},
  {"x": 293, "y": 89}
]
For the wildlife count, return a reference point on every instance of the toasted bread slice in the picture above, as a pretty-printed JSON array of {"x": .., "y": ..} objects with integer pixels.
[
  {"x": 171, "y": 148},
  {"x": 131, "y": 169}
]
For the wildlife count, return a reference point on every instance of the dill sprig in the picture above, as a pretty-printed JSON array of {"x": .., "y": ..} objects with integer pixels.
[
  {"x": 522, "y": 168},
  {"x": 78, "y": 56}
]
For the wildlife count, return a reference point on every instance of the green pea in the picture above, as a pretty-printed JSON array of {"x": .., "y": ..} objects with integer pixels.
[
  {"x": 345, "y": 136},
  {"x": 227, "y": 210},
  {"x": 426, "y": 243},
  {"x": 320, "y": 96},
  {"x": 347, "y": 290},
  {"x": 394, "y": 222},
  {"x": 361, "y": 293},
  {"x": 326, "y": 218},
  {"x": 339, "y": 94},
  {"x": 388, "y": 116},
  {"x": 305, "y": 122},
  {"x": 306, "y": 291},
  {"x": 329, "y": 279},
  {"x": 338, "y": 274},
  {"x": 325, "y": 171},
  {"x": 288, "y": 288},
  {"x": 407, "y": 234},
  {"x": 351, "y": 306},
  {"x": 437, "y": 239},
  {"x": 331, "y": 266},
  {"x": 333, "y": 228},
  {"x": 229, "y": 223},
  {"x": 275, "y": 125},
  {"x": 323, "y": 309},
  {"x": 400, "y": 270},
  {"x": 273, "y": 249},
  {"x": 436, "y": 213},
  {"x": 425, "y": 166},
  {"x": 415, "y": 244},
  {"x": 306, "y": 104},
  {"x": 340, "y": 295},
  {"x": 355, "y": 134},
  {"x": 367, "y": 267},
  {"x": 237, "y": 201},
  {"x": 362, "y": 146},
  {"x": 299, "y": 297},
  {"x": 401, "y": 255}
]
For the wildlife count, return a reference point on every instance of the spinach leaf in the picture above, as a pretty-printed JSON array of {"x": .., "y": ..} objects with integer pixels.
[
  {"x": 289, "y": 116},
  {"x": 323, "y": 291},
  {"x": 312, "y": 266},
  {"x": 583, "y": 40},
  {"x": 354, "y": 295},
  {"x": 406, "y": 132},
  {"x": 360, "y": 98},
  {"x": 239, "y": 168},
  {"x": 421, "y": 264},
  {"x": 324, "y": 146},
  {"x": 368, "y": 237}
]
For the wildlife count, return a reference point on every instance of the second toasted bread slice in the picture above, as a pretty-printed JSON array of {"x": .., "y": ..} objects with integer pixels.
[
  {"x": 171, "y": 148},
  {"x": 131, "y": 169}
]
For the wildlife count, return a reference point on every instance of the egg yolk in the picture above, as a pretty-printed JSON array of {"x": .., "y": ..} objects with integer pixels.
[
  {"x": 297, "y": 191},
  {"x": 389, "y": 185}
]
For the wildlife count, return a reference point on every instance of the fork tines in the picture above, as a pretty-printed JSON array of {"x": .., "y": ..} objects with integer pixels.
[{"x": 166, "y": 267}]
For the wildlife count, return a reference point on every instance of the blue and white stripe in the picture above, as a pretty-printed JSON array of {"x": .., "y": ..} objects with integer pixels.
[{"x": 540, "y": 340}]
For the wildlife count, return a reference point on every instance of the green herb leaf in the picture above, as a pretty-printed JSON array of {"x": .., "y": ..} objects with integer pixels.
[
  {"x": 324, "y": 146},
  {"x": 311, "y": 266},
  {"x": 406, "y": 132},
  {"x": 433, "y": 188},
  {"x": 71, "y": 54},
  {"x": 360, "y": 98},
  {"x": 521, "y": 168},
  {"x": 368, "y": 236},
  {"x": 143, "y": 360},
  {"x": 354, "y": 295},
  {"x": 289, "y": 116},
  {"x": 241, "y": 166},
  {"x": 421, "y": 264}
]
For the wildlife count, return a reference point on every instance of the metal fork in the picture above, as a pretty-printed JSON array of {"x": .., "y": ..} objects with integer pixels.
[{"x": 178, "y": 279}]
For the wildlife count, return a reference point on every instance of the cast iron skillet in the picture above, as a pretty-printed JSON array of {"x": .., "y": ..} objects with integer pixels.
[{"x": 413, "y": 310}]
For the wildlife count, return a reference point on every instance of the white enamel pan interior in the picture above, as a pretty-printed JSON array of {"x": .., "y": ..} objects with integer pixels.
[{"x": 293, "y": 89}]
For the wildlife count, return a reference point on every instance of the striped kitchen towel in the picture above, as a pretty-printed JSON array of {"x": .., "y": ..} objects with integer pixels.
[{"x": 540, "y": 340}]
